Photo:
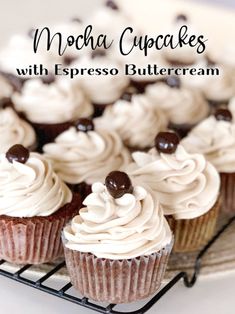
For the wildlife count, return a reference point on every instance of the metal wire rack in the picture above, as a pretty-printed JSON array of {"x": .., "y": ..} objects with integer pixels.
[{"x": 39, "y": 284}]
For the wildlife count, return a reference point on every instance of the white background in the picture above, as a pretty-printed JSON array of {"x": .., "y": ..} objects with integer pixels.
[{"x": 211, "y": 295}]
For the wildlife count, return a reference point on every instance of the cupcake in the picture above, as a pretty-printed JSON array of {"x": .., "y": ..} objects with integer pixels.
[
  {"x": 102, "y": 90},
  {"x": 83, "y": 155},
  {"x": 15, "y": 131},
  {"x": 34, "y": 207},
  {"x": 183, "y": 106},
  {"x": 187, "y": 187},
  {"x": 73, "y": 27},
  {"x": 136, "y": 121},
  {"x": 109, "y": 19},
  {"x": 18, "y": 53},
  {"x": 117, "y": 248},
  {"x": 215, "y": 138},
  {"x": 182, "y": 55},
  {"x": 51, "y": 108}
]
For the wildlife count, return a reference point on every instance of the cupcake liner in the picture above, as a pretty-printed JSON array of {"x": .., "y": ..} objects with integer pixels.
[
  {"x": 116, "y": 281},
  {"x": 228, "y": 192},
  {"x": 192, "y": 234},
  {"x": 82, "y": 188},
  {"x": 46, "y": 133},
  {"x": 35, "y": 240}
]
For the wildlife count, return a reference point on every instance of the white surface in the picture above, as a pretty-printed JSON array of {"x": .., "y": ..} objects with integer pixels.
[{"x": 210, "y": 296}]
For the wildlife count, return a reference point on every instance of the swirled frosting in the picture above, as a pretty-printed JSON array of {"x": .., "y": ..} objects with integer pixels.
[
  {"x": 181, "y": 105},
  {"x": 14, "y": 131},
  {"x": 137, "y": 121},
  {"x": 102, "y": 89},
  {"x": 30, "y": 189},
  {"x": 52, "y": 103},
  {"x": 220, "y": 87},
  {"x": 108, "y": 21},
  {"x": 184, "y": 55},
  {"x": 79, "y": 156},
  {"x": 216, "y": 140},
  {"x": 18, "y": 53},
  {"x": 123, "y": 228},
  {"x": 5, "y": 88},
  {"x": 186, "y": 185}
]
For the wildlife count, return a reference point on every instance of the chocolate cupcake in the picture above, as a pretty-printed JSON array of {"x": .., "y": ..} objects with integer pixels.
[
  {"x": 117, "y": 248},
  {"x": 215, "y": 138},
  {"x": 51, "y": 108},
  {"x": 83, "y": 155},
  {"x": 102, "y": 90},
  {"x": 187, "y": 187},
  {"x": 34, "y": 207},
  {"x": 15, "y": 131},
  {"x": 183, "y": 106},
  {"x": 136, "y": 121}
]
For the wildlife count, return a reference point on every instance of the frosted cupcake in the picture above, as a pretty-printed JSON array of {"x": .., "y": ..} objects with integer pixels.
[
  {"x": 185, "y": 55},
  {"x": 83, "y": 155},
  {"x": 74, "y": 27},
  {"x": 51, "y": 108},
  {"x": 136, "y": 121},
  {"x": 102, "y": 90},
  {"x": 15, "y": 131},
  {"x": 187, "y": 187},
  {"x": 183, "y": 106},
  {"x": 119, "y": 244},
  {"x": 109, "y": 19},
  {"x": 215, "y": 138},
  {"x": 219, "y": 89},
  {"x": 34, "y": 207},
  {"x": 18, "y": 53}
]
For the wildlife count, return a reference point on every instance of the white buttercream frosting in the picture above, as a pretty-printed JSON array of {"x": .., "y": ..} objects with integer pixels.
[
  {"x": 6, "y": 89},
  {"x": 57, "y": 102},
  {"x": 186, "y": 185},
  {"x": 182, "y": 105},
  {"x": 137, "y": 121},
  {"x": 123, "y": 228},
  {"x": 220, "y": 87},
  {"x": 14, "y": 130},
  {"x": 79, "y": 156},
  {"x": 30, "y": 189},
  {"x": 216, "y": 140},
  {"x": 184, "y": 55},
  {"x": 18, "y": 53},
  {"x": 102, "y": 89}
]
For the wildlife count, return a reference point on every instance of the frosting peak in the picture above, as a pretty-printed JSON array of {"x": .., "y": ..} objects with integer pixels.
[
  {"x": 216, "y": 140},
  {"x": 30, "y": 189},
  {"x": 87, "y": 156},
  {"x": 127, "y": 119},
  {"x": 186, "y": 185},
  {"x": 122, "y": 228},
  {"x": 15, "y": 130},
  {"x": 58, "y": 102}
]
